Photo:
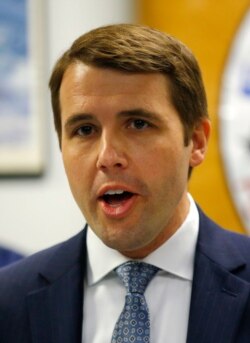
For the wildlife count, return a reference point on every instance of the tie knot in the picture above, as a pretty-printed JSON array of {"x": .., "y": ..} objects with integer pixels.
[{"x": 136, "y": 275}]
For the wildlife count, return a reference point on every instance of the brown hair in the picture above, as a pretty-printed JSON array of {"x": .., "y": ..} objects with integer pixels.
[{"x": 138, "y": 49}]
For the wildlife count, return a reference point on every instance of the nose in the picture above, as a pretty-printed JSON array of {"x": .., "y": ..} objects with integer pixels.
[{"x": 111, "y": 153}]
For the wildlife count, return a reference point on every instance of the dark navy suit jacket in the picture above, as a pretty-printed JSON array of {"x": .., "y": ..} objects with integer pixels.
[{"x": 41, "y": 297}]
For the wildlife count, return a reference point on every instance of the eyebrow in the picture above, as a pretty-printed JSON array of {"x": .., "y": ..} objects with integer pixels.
[
  {"x": 76, "y": 118},
  {"x": 137, "y": 112},
  {"x": 140, "y": 112}
]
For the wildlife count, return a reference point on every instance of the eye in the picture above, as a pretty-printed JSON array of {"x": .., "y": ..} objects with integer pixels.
[
  {"x": 85, "y": 130},
  {"x": 139, "y": 124}
]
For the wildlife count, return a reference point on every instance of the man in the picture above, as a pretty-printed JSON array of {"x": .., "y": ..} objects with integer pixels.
[{"x": 131, "y": 116}]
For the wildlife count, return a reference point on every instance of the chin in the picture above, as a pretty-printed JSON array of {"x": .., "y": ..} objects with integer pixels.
[{"x": 117, "y": 243}]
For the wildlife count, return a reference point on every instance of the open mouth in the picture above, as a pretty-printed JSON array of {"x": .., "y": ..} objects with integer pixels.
[
  {"x": 117, "y": 203},
  {"x": 116, "y": 197}
]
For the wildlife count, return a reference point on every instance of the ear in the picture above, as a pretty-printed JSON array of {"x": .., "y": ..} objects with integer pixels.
[{"x": 199, "y": 142}]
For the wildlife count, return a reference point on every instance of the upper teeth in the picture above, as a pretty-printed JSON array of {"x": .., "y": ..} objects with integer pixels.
[{"x": 116, "y": 191}]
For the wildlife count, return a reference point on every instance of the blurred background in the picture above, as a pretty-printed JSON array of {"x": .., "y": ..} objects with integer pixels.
[{"x": 36, "y": 207}]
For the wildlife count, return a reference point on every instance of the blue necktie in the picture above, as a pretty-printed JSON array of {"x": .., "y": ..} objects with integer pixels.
[{"x": 133, "y": 324}]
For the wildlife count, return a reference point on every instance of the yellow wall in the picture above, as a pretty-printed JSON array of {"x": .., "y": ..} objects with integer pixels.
[{"x": 208, "y": 28}]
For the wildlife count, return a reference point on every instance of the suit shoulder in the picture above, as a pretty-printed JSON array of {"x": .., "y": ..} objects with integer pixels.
[
  {"x": 225, "y": 234},
  {"x": 222, "y": 245},
  {"x": 25, "y": 273}
]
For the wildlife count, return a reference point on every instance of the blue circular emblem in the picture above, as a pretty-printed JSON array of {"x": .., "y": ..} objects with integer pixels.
[{"x": 234, "y": 117}]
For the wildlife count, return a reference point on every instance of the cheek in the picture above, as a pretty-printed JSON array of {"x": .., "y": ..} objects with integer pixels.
[
  {"x": 166, "y": 165},
  {"x": 156, "y": 159},
  {"x": 76, "y": 168}
]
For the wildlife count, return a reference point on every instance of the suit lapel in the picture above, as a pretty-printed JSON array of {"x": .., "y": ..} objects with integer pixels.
[
  {"x": 55, "y": 307},
  {"x": 218, "y": 295}
]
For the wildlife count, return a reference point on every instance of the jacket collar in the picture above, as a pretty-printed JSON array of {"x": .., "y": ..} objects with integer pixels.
[
  {"x": 218, "y": 245},
  {"x": 219, "y": 295},
  {"x": 64, "y": 256}
]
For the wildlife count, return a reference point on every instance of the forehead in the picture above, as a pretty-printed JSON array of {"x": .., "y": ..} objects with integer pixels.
[
  {"x": 80, "y": 79},
  {"x": 109, "y": 95}
]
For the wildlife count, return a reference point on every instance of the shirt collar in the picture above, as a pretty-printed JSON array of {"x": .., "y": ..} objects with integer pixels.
[{"x": 175, "y": 256}]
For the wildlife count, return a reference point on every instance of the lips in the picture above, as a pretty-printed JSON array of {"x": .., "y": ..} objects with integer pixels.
[{"x": 116, "y": 202}]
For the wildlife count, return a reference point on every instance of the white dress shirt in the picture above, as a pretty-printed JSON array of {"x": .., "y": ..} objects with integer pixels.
[{"x": 168, "y": 294}]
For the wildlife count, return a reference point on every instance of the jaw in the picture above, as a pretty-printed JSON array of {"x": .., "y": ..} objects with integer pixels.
[{"x": 136, "y": 237}]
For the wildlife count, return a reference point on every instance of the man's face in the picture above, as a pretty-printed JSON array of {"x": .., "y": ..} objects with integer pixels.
[{"x": 124, "y": 155}]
